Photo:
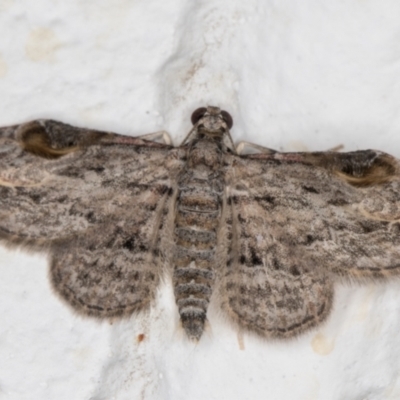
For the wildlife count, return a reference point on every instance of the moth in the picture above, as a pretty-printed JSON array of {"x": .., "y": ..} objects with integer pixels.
[{"x": 263, "y": 236}]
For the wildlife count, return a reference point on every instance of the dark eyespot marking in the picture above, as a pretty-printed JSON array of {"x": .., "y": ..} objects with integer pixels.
[
  {"x": 294, "y": 270},
  {"x": 366, "y": 172},
  {"x": 198, "y": 114},
  {"x": 129, "y": 244},
  {"x": 227, "y": 118},
  {"x": 35, "y": 139},
  {"x": 310, "y": 189}
]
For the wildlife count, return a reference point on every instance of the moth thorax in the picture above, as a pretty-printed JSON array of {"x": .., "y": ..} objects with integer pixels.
[{"x": 205, "y": 153}]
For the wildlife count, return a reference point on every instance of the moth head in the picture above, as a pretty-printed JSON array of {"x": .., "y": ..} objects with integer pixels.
[{"x": 212, "y": 120}]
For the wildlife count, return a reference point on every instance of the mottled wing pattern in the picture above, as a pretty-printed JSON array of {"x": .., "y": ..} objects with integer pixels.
[
  {"x": 67, "y": 178},
  {"x": 98, "y": 201},
  {"x": 296, "y": 220},
  {"x": 107, "y": 273},
  {"x": 265, "y": 234}
]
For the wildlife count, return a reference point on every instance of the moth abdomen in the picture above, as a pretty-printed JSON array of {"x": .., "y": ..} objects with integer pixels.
[
  {"x": 193, "y": 277},
  {"x": 193, "y": 284},
  {"x": 198, "y": 215}
]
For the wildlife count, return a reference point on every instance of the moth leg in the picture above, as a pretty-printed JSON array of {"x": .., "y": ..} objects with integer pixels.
[
  {"x": 252, "y": 148},
  {"x": 159, "y": 136}
]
